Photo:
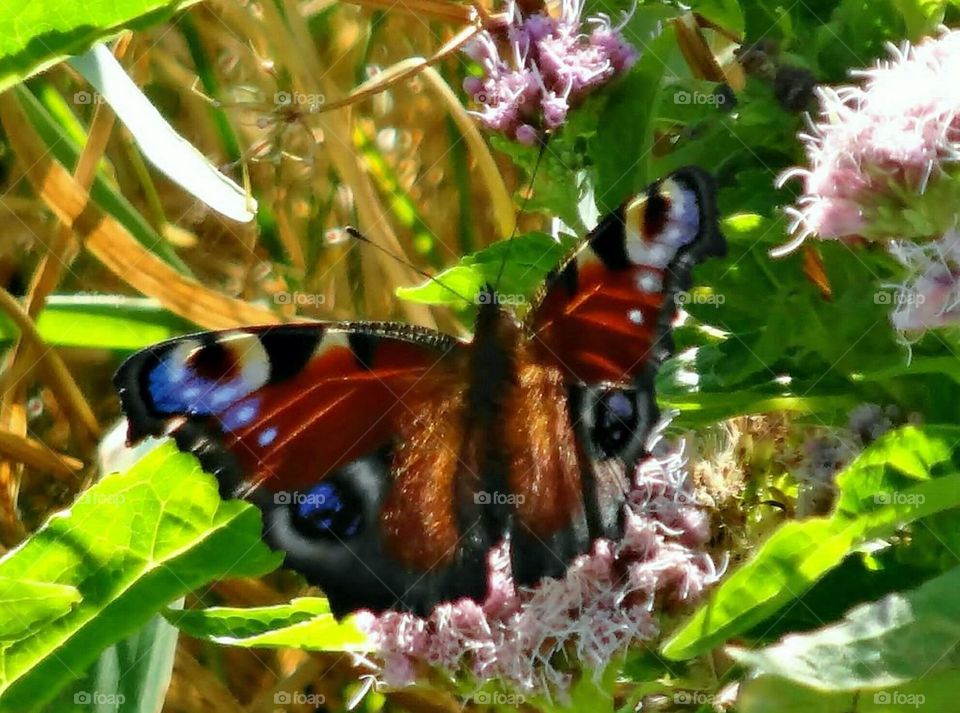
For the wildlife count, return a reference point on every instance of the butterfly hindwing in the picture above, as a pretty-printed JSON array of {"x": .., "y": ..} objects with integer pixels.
[{"x": 348, "y": 437}]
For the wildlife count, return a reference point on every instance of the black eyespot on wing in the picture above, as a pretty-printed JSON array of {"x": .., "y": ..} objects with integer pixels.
[
  {"x": 611, "y": 425},
  {"x": 657, "y": 211},
  {"x": 213, "y": 362}
]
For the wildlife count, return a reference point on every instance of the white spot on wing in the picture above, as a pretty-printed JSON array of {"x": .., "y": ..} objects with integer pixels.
[
  {"x": 635, "y": 316},
  {"x": 649, "y": 281}
]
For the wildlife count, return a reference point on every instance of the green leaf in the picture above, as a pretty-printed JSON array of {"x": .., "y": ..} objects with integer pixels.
[
  {"x": 304, "y": 623},
  {"x": 800, "y": 553},
  {"x": 130, "y": 545},
  {"x": 884, "y": 643},
  {"x": 101, "y": 322},
  {"x": 28, "y": 604},
  {"x": 517, "y": 267},
  {"x": 763, "y": 694},
  {"x": 725, "y": 13},
  {"x": 621, "y": 148},
  {"x": 36, "y": 34}
]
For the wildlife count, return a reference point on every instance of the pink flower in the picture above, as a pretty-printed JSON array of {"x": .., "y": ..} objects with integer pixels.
[
  {"x": 929, "y": 297},
  {"x": 536, "y": 67},
  {"x": 607, "y": 601},
  {"x": 882, "y": 155}
]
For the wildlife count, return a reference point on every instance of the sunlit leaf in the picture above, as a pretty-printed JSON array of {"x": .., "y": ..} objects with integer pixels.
[
  {"x": 131, "y": 544},
  {"x": 304, "y": 623},
  {"x": 36, "y": 34},
  {"x": 885, "y": 643}
]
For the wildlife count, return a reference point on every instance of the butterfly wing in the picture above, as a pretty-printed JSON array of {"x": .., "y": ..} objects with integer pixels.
[
  {"x": 598, "y": 333},
  {"x": 349, "y": 437},
  {"x": 605, "y": 314}
]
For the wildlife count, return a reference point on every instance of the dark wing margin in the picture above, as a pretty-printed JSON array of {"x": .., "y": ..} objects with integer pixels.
[{"x": 347, "y": 436}]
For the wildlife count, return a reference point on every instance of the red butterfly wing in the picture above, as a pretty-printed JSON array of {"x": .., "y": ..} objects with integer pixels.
[
  {"x": 606, "y": 313},
  {"x": 597, "y": 336},
  {"x": 349, "y": 438}
]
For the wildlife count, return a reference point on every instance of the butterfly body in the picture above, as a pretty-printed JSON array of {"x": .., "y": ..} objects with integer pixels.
[{"x": 389, "y": 459}]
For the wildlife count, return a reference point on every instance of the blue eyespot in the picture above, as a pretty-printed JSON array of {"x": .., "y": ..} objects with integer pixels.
[{"x": 325, "y": 510}]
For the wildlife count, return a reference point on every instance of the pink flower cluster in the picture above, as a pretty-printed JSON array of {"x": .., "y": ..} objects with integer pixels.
[
  {"x": 879, "y": 149},
  {"x": 529, "y": 639},
  {"x": 536, "y": 67}
]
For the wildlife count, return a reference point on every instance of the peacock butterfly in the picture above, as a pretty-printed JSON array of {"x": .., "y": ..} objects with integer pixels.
[{"x": 388, "y": 459}]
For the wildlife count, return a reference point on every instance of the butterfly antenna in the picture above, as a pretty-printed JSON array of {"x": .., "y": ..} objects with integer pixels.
[
  {"x": 354, "y": 233},
  {"x": 523, "y": 207}
]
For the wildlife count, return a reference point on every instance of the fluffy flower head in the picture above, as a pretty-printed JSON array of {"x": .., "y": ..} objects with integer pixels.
[
  {"x": 535, "y": 67},
  {"x": 883, "y": 153}
]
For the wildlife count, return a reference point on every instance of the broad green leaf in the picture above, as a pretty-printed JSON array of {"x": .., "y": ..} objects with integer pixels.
[
  {"x": 102, "y": 322},
  {"x": 801, "y": 552},
  {"x": 37, "y": 34},
  {"x": 130, "y": 545},
  {"x": 304, "y": 623},
  {"x": 27, "y": 605},
  {"x": 885, "y": 643},
  {"x": 726, "y": 13},
  {"x": 621, "y": 148}
]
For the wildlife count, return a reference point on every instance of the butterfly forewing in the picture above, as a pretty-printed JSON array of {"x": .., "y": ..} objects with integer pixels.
[{"x": 605, "y": 313}]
